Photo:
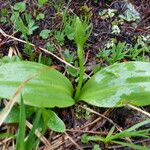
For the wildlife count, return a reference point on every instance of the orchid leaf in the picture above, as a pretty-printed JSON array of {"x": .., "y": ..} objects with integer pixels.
[{"x": 119, "y": 84}]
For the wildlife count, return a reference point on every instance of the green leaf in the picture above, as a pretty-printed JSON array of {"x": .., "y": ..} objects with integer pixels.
[
  {"x": 4, "y": 12},
  {"x": 137, "y": 147},
  {"x": 59, "y": 36},
  {"x": 86, "y": 138},
  {"x": 119, "y": 84},
  {"x": 14, "y": 17},
  {"x": 42, "y": 2},
  {"x": 31, "y": 136},
  {"x": 96, "y": 147},
  {"x": 140, "y": 133},
  {"x": 45, "y": 33},
  {"x": 20, "y": 6},
  {"x": 53, "y": 121},
  {"x": 19, "y": 25},
  {"x": 50, "y": 47},
  {"x": 13, "y": 116},
  {"x": 6, "y": 135},
  {"x": 48, "y": 88},
  {"x": 32, "y": 27},
  {"x": 138, "y": 125},
  {"x": 22, "y": 128},
  {"x": 82, "y": 31},
  {"x": 69, "y": 32},
  {"x": 40, "y": 16}
]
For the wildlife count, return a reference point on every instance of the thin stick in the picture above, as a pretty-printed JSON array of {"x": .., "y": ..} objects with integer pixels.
[
  {"x": 6, "y": 140},
  {"x": 96, "y": 120},
  {"x": 40, "y": 136},
  {"x": 138, "y": 109},
  {"x": 88, "y": 109},
  {"x": 83, "y": 131},
  {"x": 73, "y": 141}
]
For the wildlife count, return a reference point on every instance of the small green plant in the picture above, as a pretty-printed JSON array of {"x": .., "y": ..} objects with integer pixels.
[
  {"x": 60, "y": 37},
  {"x": 23, "y": 23},
  {"x": 134, "y": 52},
  {"x": 44, "y": 60},
  {"x": 71, "y": 58},
  {"x": 96, "y": 147},
  {"x": 45, "y": 33},
  {"x": 113, "y": 86},
  {"x": 40, "y": 16},
  {"x": 83, "y": 113},
  {"x": 117, "y": 138},
  {"x": 113, "y": 55},
  {"x": 20, "y": 7},
  {"x": 107, "y": 13},
  {"x": 31, "y": 26},
  {"x": 82, "y": 31},
  {"x": 3, "y": 15},
  {"x": 50, "y": 47},
  {"x": 42, "y": 2}
]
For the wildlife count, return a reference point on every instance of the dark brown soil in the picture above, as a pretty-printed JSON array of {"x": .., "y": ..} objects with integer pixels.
[{"x": 101, "y": 34}]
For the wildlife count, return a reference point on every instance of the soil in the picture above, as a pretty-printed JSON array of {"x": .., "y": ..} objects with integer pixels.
[{"x": 101, "y": 34}]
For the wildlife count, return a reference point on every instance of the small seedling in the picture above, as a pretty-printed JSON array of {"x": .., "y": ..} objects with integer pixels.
[
  {"x": 40, "y": 16},
  {"x": 45, "y": 34},
  {"x": 107, "y": 13},
  {"x": 59, "y": 36},
  {"x": 50, "y": 47},
  {"x": 113, "y": 55},
  {"x": 3, "y": 15},
  {"x": 30, "y": 24},
  {"x": 20, "y": 7},
  {"x": 44, "y": 60},
  {"x": 42, "y": 2}
]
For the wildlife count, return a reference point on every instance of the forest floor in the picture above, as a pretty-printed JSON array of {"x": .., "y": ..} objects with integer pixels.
[{"x": 49, "y": 27}]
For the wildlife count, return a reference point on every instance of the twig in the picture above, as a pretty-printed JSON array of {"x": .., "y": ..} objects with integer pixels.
[
  {"x": 73, "y": 141},
  {"x": 58, "y": 142},
  {"x": 83, "y": 131},
  {"x": 138, "y": 109},
  {"x": 6, "y": 140},
  {"x": 88, "y": 109},
  {"x": 40, "y": 136},
  {"x": 96, "y": 120}
]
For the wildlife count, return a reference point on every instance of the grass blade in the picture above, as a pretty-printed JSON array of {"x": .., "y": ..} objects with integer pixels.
[
  {"x": 31, "y": 136},
  {"x": 22, "y": 125},
  {"x": 138, "y": 125},
  {"x": 137, "y": 147}
]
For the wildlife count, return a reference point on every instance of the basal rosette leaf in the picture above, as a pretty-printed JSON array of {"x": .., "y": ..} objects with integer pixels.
[
  {"x": 53, "y": 121},
  {"x": 119, "y": 84},
  {"x": 48, "y": 88}
]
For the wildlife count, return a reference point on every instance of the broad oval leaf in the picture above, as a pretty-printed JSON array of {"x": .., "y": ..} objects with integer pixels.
[
  {"x": 48, "y": 88},
  {"x": 119, "y": 84},
  {"x": 53, "y": 121}
]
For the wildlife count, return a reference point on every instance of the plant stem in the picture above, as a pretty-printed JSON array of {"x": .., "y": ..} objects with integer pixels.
[{"x": 81, "y": 63}]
